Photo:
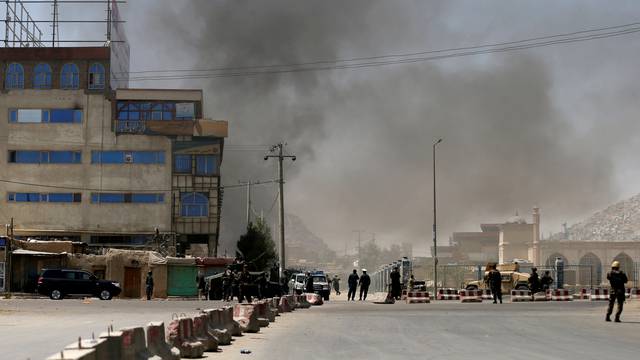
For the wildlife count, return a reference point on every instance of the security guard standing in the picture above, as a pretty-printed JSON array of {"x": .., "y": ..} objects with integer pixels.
[{"x": 617, "y": 279}]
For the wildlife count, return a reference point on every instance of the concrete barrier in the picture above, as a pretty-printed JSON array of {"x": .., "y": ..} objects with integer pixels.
[
  {"x": 180, "y": 336},
  {"x": 99, "y": 345},
  {"x": 599, "y": 294},
  {"x": 302, "y": 302},
  {"x": 583, "y": 294},
  {"x": 262, "y": 311},
  {"x": 157, "y": 344},
  {"x": 134, "y": 345},
  {"x": 77, "y": 354},
  {"x": 216, "y": 326},
  {"x": 227, "y": 319},
  {"x": 314, "y": 299},
  {"x": 542, "y": 296},
  {"x": 285, "y": 304},
  {"x": 634, "y": 293},
  {"x": 521, "y": 296},
  {"x": 273, "y": 304},
  {"x": 114, "y": 342},
  {"x": 247, "y": 316},
  {"x": 559, "y": 295},
  {"x": 447, "y": 294},
  {"x": 486, "y": 294},
  {"x": 417, "y": 297},
  {"x": 201, "y": 332},
  {"x": 470, "y": 296}
]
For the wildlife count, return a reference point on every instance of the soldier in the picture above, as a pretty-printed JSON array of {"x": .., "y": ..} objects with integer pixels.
[
  {"x": 494, "y": 281},
  {"x": 617, "y": 279},
  {"x": 534, "y": 281},
  {"x": 353, "y": 285},
  {"x": 245, "y": 285},
  {"x": 546, "y": 280},
  {"x": 149, "y": 285},
  {"x": 201, "y": 285},
  {"x": 308, "y": 283},
  {"x": 396, "y": 288},
  {"x": 227, "y": 281},
  {"x": 336, "y": 284},
  {"x": 365, "y": 281}
]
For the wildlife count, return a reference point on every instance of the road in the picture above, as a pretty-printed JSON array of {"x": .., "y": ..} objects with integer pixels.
[{"x": 34, "y": 329}]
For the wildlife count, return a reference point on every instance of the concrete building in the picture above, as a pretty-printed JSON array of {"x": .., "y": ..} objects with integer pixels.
[{"x": 88, "y": 159}]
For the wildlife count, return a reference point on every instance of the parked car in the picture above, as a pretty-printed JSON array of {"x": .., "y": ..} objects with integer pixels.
[
  {"x": 58, "y": 283},
  {"x": 321, "y": 285},
  {"x": 296, "y": 283}
]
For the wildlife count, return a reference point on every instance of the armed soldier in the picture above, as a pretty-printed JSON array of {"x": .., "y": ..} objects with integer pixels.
[
  {"x": 494, "y": 281},
  {"x": 617, "y": 279}
]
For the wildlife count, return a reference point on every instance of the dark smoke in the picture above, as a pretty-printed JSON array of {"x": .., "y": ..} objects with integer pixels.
[{"x": 363, "y": 137}]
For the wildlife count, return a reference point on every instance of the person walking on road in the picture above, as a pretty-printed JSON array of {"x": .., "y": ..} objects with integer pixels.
[
  {"x": 201, "y": 285},
  {"x": 396, "y": 287},
  {"x": 494, "y": 281},
  {"x": 353, "y": 285},
  {"x": 308, "y": 283},
  {"x": 149, "y": 285},
  {"x": 227, "y": 281},
  {"x": 336, "y": 284},
  {"x": 617, "y": 279},
  {"x": 546, "y": 281},
  {"x": 365, "y": 281}
]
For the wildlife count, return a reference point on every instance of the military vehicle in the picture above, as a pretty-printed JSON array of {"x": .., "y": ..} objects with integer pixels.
[{"x": 512, "y": 278}]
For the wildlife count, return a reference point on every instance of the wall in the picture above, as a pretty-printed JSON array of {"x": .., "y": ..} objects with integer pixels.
[{"x": 514, "y": 241}]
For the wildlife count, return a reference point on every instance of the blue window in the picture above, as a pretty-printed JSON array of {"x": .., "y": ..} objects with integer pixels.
[
  {"x": 44, "y": 157},
  {"x": 206, "y": 164},
  {"x": 194, "y": 204},
  {"x": 15, "y": 77},
  {"x": 182, "y": 164},
  {"x": 42, "y": 76},
  {"x": 65, "y": 116},
  {"x": 127, "y": 157},
  {"x": 96, "y": 76},
  {"x": 135, "y": 198},
  {"x": 70, "y": 76},
  {"x": 51, "y": 197}
]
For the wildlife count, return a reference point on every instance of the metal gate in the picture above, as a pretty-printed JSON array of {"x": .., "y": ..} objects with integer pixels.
[
  {"x": 1, "y": 276},
  {"x": 182, "y": 280}
]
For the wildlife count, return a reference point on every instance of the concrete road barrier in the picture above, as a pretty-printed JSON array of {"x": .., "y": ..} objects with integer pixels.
[
  {"x": 228, "y": 321},
  {"x": 134, "y": 345},
  {"x": 470, "y": 296},
  {"x": 542, "y": 296},
  {"x": 216, "y": 326},
  {"x": 157, "y": 345},
  {"x": 247, "y": 316},
  {"x": 486, "y": 294},
  {"x": 559, "y": 295},
  {"x": 262, "y": 311},
  {"x": 285, "y": 304},
  {"x": 273, "y": 304},
  {"x": 447, "y": 294},
  {"x": 180, "y": 336},
  {"x": 635, "y": 293},
  {"x": 99, "y": 345},
  {"x": 314, "y": 299},
  {"x": 114, "y": 342},
  {"x": 302, "y": 303},
  {"x": 76, "y": 354},
  {"x": 521, "y": 295},
  {"x": 201, "y": 332},
  {"x": 599, "y": 294},
  {"x": 583, "y": 294},
  {"x": 418, "y": 297}
]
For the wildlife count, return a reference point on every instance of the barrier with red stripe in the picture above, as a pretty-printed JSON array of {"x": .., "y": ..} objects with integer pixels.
[
  {"x": 448, "y": 294},
  {"x": 599, "y": 294},
  {"x": 467, "y": 296},
  {"x": 521, "y": 295},
  {"x": 583, "y": 294},
  {"x": 418, "y": 297},
  {"x": 486, "y": 294},
  {"x": 560, "y": 295}
]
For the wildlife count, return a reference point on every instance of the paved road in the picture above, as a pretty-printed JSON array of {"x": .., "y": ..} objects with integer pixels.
[
  {"x": 343, "y": 330},
  {"x": 34, "y": 329}
]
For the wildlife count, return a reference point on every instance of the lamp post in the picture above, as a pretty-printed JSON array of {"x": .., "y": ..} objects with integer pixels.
[{"x": 435, "y": 236}]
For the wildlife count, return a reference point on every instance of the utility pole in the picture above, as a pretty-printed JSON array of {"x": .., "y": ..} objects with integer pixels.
[
  {"x": 435, "y": 234},
  {"x": 281, "y": 157},
  {"x": 359, "y": 241},
  {"x": 248, "y": 184},
  {"x": 9, "y": 251}
]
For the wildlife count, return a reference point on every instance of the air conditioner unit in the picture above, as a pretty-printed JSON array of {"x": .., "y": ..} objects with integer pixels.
[{"x": 128, "y": 158}]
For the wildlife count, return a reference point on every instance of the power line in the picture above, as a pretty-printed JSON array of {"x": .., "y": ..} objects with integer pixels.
[{"x": 354, "y": 63}]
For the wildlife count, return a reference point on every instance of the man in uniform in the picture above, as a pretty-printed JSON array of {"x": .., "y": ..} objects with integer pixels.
[
  {"x": 365, "y": 281},
  {"x": 534, "y": 281},
  {"x": 227, "y": 281},
  {"x": 546, "y": 281},
  {"x": 336, "y": 284},
  {"x": 245, "y": 285},
  {"x": 494, "y": 281},
  {"x": 308, "y": 287},
  {"x": 617, "y": 279},
  {"x": 353, "y": 285},
  {"x": 149, "y": 285},
  {"x": 396, "y": 287}
]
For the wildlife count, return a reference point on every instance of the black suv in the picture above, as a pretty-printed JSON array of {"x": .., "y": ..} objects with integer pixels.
[{"x": 57, "y": 283}]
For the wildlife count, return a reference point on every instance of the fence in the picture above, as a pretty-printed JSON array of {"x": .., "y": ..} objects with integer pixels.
[{"x": 1, "y": 276}]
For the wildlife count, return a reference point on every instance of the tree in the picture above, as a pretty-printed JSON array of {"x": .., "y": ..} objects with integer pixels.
[{"x": 257, "y": 246}]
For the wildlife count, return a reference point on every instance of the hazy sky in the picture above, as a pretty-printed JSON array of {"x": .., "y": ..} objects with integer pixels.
[{"x": 553, "y": 127}]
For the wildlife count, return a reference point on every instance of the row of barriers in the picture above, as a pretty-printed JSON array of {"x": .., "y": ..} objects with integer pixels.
[
  {"x": 186, "y": 336},
  {"x": 469, "y": 296}
]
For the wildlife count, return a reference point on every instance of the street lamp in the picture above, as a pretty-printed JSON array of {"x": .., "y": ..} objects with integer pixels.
[{"x": 435, "y": 236}]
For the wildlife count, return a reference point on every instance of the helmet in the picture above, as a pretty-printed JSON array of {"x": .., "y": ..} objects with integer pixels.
[
  {"x": 364, "y": 270},
  {"x": 615, "y": 264}
]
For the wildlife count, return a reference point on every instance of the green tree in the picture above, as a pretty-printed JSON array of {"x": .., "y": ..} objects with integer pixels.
[{"x": 257, "y": 246}]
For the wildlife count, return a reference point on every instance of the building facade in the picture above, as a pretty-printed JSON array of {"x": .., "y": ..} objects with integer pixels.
[{"x": 107, "y": 165}]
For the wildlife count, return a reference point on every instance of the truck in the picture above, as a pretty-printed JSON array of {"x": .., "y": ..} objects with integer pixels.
[{"x": 512, "y": 278}]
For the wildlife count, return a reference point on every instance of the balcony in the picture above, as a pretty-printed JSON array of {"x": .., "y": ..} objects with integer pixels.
[
  {"x": 207, "y": 127},
  {"x": 201, "y": 127}
]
